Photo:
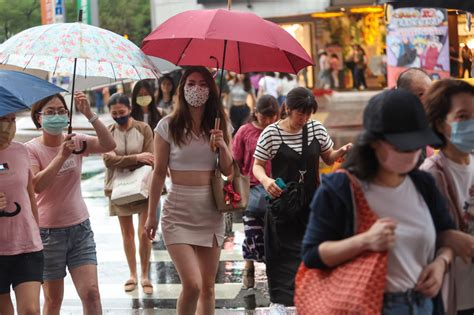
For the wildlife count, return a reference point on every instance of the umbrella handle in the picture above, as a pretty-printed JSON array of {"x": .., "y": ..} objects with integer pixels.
[
  {"x": 5, "y": 213},
  {"x": 81, "y": 150},
  {"x": 229, "y": 4}
]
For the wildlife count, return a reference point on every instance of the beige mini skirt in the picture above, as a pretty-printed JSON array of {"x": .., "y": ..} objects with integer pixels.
[
  {"x": 128, "y": 209},
  {"x": 190, "y": 217}
]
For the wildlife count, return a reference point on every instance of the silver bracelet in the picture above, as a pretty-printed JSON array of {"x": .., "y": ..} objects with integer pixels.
[{"x": 93, "y": 118}]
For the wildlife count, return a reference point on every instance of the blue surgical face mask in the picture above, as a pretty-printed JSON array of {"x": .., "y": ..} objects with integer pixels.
[
  {"x": 122, "y": 120},
  {"x": 54, "y": 124},
  {"x": 462, "y": 135}
]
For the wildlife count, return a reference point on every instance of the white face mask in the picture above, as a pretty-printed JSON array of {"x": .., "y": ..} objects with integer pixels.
[
  {"x": 196, "y": 95},
  {"x": 144, "y": 101}
]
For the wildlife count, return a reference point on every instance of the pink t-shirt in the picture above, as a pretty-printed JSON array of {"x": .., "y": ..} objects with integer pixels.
[
  {"x": 18, "y": 234},
  {"x": 243, "y": 148},
  {"x": 61, "y": 204}
]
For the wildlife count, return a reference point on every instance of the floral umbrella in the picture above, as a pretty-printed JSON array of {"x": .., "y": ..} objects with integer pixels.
[{"x": 79, "y": 49}]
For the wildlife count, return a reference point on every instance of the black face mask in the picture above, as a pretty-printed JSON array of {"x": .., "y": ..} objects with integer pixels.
[
  {"x": 11, "y": 214},
  {"x": 123, "y": 120}
]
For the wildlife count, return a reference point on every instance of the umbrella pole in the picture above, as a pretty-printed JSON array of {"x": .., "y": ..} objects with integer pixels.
[
  {"x": 221, "y": 81},
  {"x": 69, "y": 130}
]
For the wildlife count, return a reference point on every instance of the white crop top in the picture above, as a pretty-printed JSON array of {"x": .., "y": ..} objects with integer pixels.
[{"x": 195, "y": 155}]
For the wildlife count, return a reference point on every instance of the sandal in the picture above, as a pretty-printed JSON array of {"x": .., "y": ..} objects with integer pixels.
[
  {"x": 130, "y": 285},
  {"x": 147, "y": 287}
]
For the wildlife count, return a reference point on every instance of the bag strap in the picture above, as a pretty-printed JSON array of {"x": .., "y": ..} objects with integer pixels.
[
  {"x": 364, "y": 217},
  {"x": 304, "y": 154}
]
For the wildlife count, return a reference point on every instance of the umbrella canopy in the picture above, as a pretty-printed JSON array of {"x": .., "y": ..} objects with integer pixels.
[
  {"x": 98, "y": 52},
  {"x": 464, "y": 5},
  {"x": 198, "y": 38},
  {"x": 19, "y": 91}
]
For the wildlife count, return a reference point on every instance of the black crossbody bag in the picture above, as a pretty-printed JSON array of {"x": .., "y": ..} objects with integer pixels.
[{"x": 292, "y": 205}]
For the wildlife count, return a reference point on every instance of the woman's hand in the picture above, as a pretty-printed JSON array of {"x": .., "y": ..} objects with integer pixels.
[
  {"x": 341, "y": 153},
  {"x": 3, "y": 201},
  {"x": 146, "y": 158},
  {"x": 82, "y": 104},
  {"x": 431, "y": 278},
  {"x": 271, "y": 187},
  {"x": 381, "y": 235},
  {"x": 67, "y": 147},
  {"x": 151, "y": 225},
  {"x": 217, "y": 139}
]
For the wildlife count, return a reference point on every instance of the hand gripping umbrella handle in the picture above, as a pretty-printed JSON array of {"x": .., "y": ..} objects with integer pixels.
[{"x": 84, "y": 143}]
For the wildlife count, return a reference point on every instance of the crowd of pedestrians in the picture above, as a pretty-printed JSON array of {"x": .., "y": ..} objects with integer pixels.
[{"x": 410, "y": 172}]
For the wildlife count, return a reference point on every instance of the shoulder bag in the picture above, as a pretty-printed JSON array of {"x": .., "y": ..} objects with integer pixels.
[
  {"x": 230, "y": 194},
  {"x": 130, "y": 186},
  {"x": 353, "y": 288}
]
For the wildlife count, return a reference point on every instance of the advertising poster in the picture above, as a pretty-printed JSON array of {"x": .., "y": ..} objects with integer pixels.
[{"x": 418, "y": 37}]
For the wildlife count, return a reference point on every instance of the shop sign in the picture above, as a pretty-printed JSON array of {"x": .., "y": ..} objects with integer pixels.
[
  {"x": 417, "y": 37},
  {"x": 417, "y": 17}
]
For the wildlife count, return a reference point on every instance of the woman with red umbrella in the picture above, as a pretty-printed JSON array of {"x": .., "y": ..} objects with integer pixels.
[{"x": 192, "y": 228}]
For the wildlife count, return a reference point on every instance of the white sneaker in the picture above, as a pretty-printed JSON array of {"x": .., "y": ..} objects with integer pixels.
[{"x": 277, "y": 309}]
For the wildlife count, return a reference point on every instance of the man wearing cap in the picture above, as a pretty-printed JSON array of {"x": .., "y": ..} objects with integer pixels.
[{"x": 411, "y": 212}]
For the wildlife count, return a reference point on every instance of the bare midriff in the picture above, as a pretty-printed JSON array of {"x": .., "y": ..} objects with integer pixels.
[{"x": 191, "y": 178}]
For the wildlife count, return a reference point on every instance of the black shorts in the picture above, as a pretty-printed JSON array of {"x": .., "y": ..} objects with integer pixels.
[{"x": 17, "y": 269}]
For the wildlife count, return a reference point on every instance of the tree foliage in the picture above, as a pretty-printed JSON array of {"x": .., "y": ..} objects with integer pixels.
[
  {"x": 124, "y": 17},
  {"x": 131, "y": 18},
  {"x": 18, "y": 15}
]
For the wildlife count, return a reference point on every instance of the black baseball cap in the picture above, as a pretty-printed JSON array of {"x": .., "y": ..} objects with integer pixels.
[{"x": 398, "y": 116}]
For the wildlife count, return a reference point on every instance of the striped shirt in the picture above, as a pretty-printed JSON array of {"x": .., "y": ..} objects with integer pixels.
[{"x": 270, "y": 139}]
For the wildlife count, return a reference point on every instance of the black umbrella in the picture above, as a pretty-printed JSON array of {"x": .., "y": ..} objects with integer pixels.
[{"x": 463, "y": 5}]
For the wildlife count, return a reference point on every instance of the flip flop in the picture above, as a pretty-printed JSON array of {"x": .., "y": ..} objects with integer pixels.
[
  {"x": 147, "y": 287},
  {"x": 130, "y": 285}
]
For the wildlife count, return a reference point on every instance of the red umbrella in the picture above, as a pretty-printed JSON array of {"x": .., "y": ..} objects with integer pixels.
[{"x": 236, "y": 41}]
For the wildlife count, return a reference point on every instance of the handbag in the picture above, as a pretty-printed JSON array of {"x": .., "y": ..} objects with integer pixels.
[
  {"x": 355, "y": 287},
  {"x": 130, "y": 186},
  {"x": 292, "y": 205},
  {"x": 230, "y": 195}
]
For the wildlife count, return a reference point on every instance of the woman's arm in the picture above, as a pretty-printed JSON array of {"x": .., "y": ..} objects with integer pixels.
[
  {"x": 225, "y": 155},
  {"x": 380, "y": 237},
  {"x": 104, "y": 142},
  {"x": 268, "y": 183},
  {"x": 43, "y": 178},
  {"x": 31, "y": 195},
  {"x": 461, "y": 243},
  {"x": 162, "y": 151},
  {"x": 330, "y": 156}
]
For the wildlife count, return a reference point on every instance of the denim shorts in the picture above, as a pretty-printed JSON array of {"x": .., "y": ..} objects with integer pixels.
[
  {"x": 407, "y": 303},
  {"x": 72, "y": 246},
  {"x": 18, "y": 269}
]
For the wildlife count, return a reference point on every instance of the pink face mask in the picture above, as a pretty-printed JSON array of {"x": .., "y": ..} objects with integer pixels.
[{"x": 395, "y": 161}]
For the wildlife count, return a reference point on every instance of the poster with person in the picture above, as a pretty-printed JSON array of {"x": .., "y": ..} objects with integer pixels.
[{"x": 417, "y": 37}]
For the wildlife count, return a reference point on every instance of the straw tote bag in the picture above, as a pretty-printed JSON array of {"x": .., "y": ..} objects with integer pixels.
[
  {"x": 231, "y": 195},
  {"x": 353, "y": 288}
]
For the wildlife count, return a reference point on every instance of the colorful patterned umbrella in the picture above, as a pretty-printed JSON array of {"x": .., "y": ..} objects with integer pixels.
[{"x": 99, "y": 52}]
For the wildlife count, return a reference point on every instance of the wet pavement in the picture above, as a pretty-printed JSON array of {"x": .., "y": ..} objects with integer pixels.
[{"x": 231, "y": 298}]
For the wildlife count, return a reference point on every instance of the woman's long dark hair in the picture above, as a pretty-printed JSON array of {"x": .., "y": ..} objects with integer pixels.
[
  {"x": 181, "y": 123},
  {"x": 137, "y": 111},
  {"x": 361, "y": 160},
  {"x": 159, "y": 94}
]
